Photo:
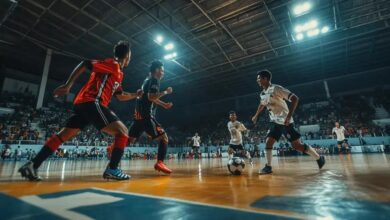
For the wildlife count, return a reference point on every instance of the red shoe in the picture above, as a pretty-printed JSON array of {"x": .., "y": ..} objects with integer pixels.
[
  {"x": 160, "y": 166},
  {"x": 109, "y": 151}
]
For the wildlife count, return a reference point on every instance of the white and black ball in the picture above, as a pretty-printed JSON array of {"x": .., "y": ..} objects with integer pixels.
[{"x": 236, "y": 165}]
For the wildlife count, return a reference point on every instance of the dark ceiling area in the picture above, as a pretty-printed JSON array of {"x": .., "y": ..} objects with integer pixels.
[{"x": 220, "y": 43}]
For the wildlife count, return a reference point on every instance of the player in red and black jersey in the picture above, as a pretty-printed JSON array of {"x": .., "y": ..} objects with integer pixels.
[
  {"x": 90, "y": 107},
  {"x": 145, "y": 114}
]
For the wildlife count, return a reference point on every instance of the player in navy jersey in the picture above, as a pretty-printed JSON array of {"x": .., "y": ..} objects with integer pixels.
[{"x": 145, "y": 113}]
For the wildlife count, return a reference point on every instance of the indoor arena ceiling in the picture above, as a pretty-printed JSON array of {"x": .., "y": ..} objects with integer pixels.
[{"x": 219, "y": 43}]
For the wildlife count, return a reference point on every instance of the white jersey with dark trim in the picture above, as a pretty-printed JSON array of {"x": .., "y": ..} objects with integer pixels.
[
  {"x": 235, "y": 129},
  {"x": 274, "y": 98},
  {"x": 339, "y": 131}
]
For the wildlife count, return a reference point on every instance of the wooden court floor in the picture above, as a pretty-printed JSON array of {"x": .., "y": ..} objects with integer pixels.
[{"x": 349, "y": 187}]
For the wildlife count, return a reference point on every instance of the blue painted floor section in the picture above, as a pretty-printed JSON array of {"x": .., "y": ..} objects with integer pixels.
[
  {"x": 130, "y": 207},
  {"x": 327, "y": 207}
]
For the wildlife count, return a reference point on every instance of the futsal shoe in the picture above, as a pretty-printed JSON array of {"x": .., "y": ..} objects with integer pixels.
[
  {"x": 28, "y": 171},
  {"x": 321, "y": 162},
  {"x": 266, "y": 170},
  {"x": 160, "y": 166},
  {"x": 115, "y": 174}
]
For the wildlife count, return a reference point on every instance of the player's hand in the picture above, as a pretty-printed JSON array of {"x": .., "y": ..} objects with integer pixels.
[
  {"x": 254, "y": 119},
  {"x": 61, "y": 90},
  {"x": 168, "y": 105},
  {"x": 169, "y": 90},
  {"x": 139, "y": 92},
  {"x": 287, "y": 121}
]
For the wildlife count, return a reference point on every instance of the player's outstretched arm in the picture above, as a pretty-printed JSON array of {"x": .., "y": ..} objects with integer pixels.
[
  {"x": 166, "y": 105},
  {"x": 76, "y": 73},
  {"x": 127, "y": 96},
  {"x": 158, "y": 95},
  {"x": 258, "y": 112}
]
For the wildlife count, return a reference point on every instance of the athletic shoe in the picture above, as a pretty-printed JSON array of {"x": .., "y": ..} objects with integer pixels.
[
  {"x": 321, "y": 162},
  {"x": 160, "y": 166},
  {"x": 28, "y": 171},
  {"x": 266, "y": 170},
  {"x": 115, "y": 174}
]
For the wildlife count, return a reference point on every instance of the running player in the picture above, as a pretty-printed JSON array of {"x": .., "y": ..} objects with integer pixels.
[
  {"x": 274, "y": 98},
  {"x": 90, "y": 107},
  {"x": 236, "y": 146},
  {"x": 145, "y": 114},
  {"x": 339, "y": 131}
]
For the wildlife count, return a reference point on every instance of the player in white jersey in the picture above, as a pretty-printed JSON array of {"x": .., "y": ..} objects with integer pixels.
[
  {"x": 339, "y": 131},
  {"x": 236, "y": 128},
  {"x": 273, "y": 97},
  {"x": 196, "y": 145}
]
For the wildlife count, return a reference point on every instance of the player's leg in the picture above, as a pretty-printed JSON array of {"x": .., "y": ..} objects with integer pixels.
[
  {"x": 231, "y": 152},
  {"x": 119, "y": 131},
  {"x": 106, "y": 121},
  {"x": 273, "y": 135},
  {"x": 339, "y": 147},
  {"x": 29, "y": 170},
  {"x": 295, "y": 138},
  {"x": 154, "y": 130},
  {"x": 75, "y": 123}
]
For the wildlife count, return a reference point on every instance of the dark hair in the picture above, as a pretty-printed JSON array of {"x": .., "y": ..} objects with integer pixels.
[
  {"x": 156, "y": 64},
  {"x": 265, "y": 74},
  {"x": 121, "y": 49},
  {"x": 232, "y": 112}
]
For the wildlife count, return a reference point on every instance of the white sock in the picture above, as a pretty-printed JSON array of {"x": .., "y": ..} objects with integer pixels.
[
  {"x": 248, "y": 155},
  {"x": 312, "y": 152},
  {"x": 268, "y": 154}
]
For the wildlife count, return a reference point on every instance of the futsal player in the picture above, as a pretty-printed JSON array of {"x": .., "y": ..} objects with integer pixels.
[
  {"x": 145, "y": 114},
  {"x": 91, "y": 107},
  {"x": 339, "y": 131},
  {"x": 236, "y": 145},
  {"x": 274, "y": 97}
]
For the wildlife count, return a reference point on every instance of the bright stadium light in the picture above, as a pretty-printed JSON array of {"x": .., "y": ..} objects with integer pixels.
[
  {"x": 302, "y": 8},
  {"x": 311, "y": 24},
  {"x": 159, "y": 39},
  {"x": 312, "y": 33},
  {"x": 170, "y": 56},
  {"x": 306, "y": 26},
  {"x": 325, "y": 29},
  {"x": 299, "y": 36},
  {"x": 169, "y": 46}
]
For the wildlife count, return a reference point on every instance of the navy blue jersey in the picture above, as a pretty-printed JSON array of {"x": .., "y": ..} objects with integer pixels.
[{"x": 144, "y": 108}]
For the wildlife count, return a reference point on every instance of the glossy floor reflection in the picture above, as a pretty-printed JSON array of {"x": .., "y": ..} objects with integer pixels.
[{"x": 348, "y": 187}]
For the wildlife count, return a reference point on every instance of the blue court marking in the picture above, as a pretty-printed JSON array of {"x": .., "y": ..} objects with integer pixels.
[
  {"x": 13, "y": 208},
  {"x": 337, "y": 208},
  {"x": 136, "y": 206}
]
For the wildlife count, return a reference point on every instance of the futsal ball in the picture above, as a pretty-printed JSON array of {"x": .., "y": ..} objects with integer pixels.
[{"x": 236, "y": 165}]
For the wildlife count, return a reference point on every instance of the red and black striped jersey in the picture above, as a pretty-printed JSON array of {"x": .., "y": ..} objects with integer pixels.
[{"x": 105, "y": 80}]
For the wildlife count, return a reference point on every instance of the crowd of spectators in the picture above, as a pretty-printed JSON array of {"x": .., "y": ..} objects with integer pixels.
[{"x": 28, "y": 125}]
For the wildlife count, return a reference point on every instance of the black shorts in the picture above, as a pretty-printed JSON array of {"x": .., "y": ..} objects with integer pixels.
[
  {"x": 276, "y": 130},
  {"x": 91, "y": 113},
  {"x": 148, "y": 125},
  {"x": 236, "y": 147},
  {"x": 342, "y": 142}
]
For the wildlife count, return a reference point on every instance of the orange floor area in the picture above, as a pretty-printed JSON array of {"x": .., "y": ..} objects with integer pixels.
[{"x": 296, "y": 189}]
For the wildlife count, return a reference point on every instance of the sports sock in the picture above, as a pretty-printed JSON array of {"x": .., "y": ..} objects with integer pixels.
[
  {"x": 119, "y": 145},
  {"x": 162, "y": 150},
  {"x": 309, "y": 150},
  {"x": 50, "y": 146},
  {"x": 268, "y": 154}
]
